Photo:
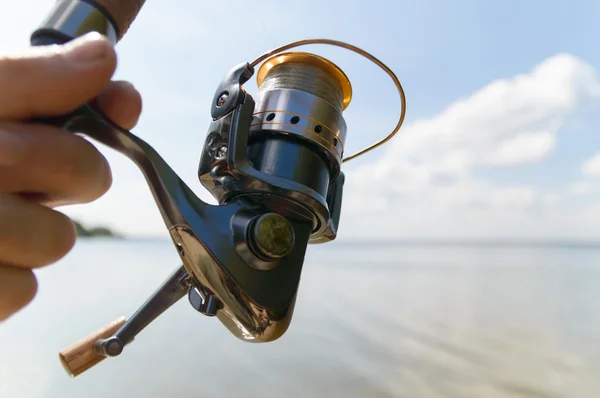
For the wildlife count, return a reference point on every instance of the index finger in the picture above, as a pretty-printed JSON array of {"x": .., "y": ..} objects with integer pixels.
[{"x": 55, "y": 80}]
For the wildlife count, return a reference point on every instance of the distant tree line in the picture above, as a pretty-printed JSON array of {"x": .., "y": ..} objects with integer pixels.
[{"x": 86, "y": 232}]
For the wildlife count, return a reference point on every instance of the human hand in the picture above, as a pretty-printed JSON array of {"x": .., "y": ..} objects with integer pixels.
[{"x": 41, "y": 166}]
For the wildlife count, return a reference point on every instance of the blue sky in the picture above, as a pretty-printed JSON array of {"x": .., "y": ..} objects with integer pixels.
[{"x": 502, "y": 101}]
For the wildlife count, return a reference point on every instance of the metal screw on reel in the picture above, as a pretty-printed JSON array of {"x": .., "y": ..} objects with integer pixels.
[{"x": 222, "y": 99}]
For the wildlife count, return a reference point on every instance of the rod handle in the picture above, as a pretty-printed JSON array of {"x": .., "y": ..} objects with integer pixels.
[{"x": 123, "y": 12}]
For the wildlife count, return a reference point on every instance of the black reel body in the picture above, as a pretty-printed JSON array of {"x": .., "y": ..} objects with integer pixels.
[{"x": 290, "y": 185}]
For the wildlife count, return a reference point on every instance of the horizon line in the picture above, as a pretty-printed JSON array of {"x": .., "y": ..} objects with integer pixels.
[{"x": 495, "y": 242}]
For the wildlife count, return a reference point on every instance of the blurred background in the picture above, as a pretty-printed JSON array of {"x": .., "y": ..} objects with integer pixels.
[{"x": 468, "y": 258}]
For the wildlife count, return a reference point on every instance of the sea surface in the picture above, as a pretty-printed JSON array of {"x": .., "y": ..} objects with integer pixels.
[{"x": 389, "y": 320}]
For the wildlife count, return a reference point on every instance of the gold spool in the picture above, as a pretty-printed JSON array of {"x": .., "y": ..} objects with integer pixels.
[{"x": 308, "y": 59}]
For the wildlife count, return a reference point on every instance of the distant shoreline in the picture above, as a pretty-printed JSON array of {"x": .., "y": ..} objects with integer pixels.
[
  {"x": 93, "y": 232},
  {"x": 104, "y": 232},
  {"x": 348, "y": 244}
]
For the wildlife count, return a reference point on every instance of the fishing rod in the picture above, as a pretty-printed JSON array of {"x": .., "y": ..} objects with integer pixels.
[{"x": 274, "y": 165}]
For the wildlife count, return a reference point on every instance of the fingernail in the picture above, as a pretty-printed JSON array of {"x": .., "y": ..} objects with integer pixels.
[{"x": 90, "y": 48}]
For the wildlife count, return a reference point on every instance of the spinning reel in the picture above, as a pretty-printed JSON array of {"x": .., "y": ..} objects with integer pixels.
[{"x": 274, "y": 166}]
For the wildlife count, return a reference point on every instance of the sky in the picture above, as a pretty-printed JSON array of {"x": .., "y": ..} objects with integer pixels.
[{"x": 503, "y": 105}]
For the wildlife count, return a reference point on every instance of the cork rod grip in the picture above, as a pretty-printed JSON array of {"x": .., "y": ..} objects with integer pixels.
[
  {"x": 123, "y": 12},
  {"x": 81, "y": 356}
]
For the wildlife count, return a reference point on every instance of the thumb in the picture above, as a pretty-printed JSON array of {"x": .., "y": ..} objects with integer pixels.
[{"x": 53, "y": 80}]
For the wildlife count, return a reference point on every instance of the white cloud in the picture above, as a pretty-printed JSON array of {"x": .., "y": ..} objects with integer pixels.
[
  {"x": 429, "y": 179},
  {"x": 523, "y": 148},
  {"x": 581, "y": 187},
  {"x": 550, "y": 198},
  {"x": 592, "y": 165},
  {"x": 508, "y": 121},
  {"x": 594, "y": 211}
]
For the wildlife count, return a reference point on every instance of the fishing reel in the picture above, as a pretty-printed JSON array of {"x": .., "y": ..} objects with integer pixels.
[{"x": 273, "y": 165}]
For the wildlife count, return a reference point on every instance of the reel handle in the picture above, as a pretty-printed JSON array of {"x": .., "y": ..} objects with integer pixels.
[{"x": 111, "y": 339}]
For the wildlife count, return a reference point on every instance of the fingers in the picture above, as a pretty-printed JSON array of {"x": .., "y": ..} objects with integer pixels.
[
  {"x": 55, "y": 167},
  {"x": 50, "y": 165},
  {"x": 121, "y": 103},
  {"x": 17, "y": 288},
  {"x": 54, "y": 80},
  {"x": 32, "y": 235}
]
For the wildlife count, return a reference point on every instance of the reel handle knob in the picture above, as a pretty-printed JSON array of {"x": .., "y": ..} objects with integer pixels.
[{"x": 79, "y": 357}]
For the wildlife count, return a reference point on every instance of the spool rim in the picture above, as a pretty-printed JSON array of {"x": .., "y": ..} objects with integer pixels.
[{"x": 309, "y": 59}]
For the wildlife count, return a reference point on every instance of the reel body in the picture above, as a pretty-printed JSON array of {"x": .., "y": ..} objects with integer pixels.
[
  {"x": 273, "y": 165},
  {"x": 289, "y": 182}
]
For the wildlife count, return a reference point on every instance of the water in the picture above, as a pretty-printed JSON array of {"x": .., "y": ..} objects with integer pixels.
[{"x": 371, "y": 321}]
